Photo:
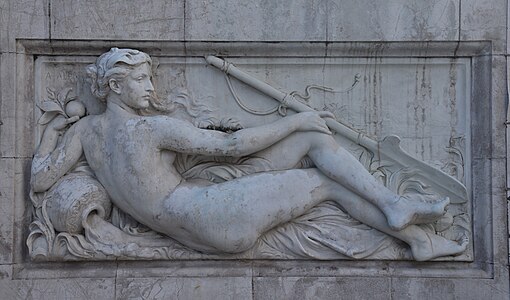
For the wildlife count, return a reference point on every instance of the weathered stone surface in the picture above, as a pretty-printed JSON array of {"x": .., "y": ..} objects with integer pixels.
[
  {"x": 51, "y": 289},
  {"x": 484, "y": 20},
  {"x": 256, "y": 20},
  {"x": 446, "y": 288},
  {"x": 480, "y": 127},
  {"x": 499, "y": 105},
  {"x": 7, "y": 104},
  {"x": 5, "y": 272},
  {"x": 481, "y": 193},
  {"x": 16, "y": 107},
  {"x": 321, "y": 288},
  {"x": 373, "y": 20},
  {"x": 185, "y": 288},
  {"x": 200, "y": 268},
  {"x": 498, "y": 176},
  {"x": 143, "y": 20},
  {"x": 320, "y": 268},
  {"x": 6, "y": 208},
  {"x": 366, "y": 20},
  {"x": 22, "y": 19},
  {"x": 500, "y": 218},
  {"x": 21, "y": 211},
  {"x": 56, "y": 270}
]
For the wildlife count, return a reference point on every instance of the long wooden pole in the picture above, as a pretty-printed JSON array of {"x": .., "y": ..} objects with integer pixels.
[
  {"x": 388, "y": 148},
  {"x": 289, "y": 101}
]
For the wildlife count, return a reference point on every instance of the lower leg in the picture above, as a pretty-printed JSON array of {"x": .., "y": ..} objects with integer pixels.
[
  {"x": 339, "y": 165},
  {"x": 424, "y": 245}
]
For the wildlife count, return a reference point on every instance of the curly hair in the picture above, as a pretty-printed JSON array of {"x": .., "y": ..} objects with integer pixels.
[{"x": 114, "y": 64}]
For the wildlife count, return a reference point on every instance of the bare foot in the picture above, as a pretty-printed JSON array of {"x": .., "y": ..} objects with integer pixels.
[
  {"x": 405, "y": 212},
  {"x": 429, "y": 246}
]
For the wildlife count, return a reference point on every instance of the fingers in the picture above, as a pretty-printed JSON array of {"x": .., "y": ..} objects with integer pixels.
[
  {"x": 60, "y": 122},
  {"x": 72, "y": 119},
  {"x": 314, "y": 121},
  {"x": 323, "y": 128},
  {"x": 326, "y": 114},
  {"x": 326, "y": 131}
]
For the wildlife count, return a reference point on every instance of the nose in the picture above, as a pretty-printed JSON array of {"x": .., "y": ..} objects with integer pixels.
[{"x": 148, "y": 86}]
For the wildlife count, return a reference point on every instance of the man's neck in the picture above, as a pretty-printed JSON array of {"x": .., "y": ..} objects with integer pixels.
[{"x": 114, "y": 104}]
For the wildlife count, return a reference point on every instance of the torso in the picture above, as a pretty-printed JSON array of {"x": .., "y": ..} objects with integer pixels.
[{"x": 137, "y": 175}]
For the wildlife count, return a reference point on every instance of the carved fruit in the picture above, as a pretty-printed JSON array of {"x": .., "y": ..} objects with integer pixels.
[{"x": 75, "y": 108}]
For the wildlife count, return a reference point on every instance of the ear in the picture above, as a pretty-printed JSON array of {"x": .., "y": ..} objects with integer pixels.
[{"x": 114, "y": 86}]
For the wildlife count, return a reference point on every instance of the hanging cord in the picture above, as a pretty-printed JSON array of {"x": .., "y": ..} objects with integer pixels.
[
  {"x": 282, "y": 108},
  {"x": 248, "y": 109},
  {"x": 307, "y": 94}
]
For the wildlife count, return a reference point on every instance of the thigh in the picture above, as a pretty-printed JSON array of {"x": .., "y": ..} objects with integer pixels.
[
  {"x": 245, "y": 208},
  {"x": 287, "y": 153}
]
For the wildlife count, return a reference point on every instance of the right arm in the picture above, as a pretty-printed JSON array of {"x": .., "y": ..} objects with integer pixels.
[
  {"x": 54, "y": 159},
  {"x": 182, "y": 137}
]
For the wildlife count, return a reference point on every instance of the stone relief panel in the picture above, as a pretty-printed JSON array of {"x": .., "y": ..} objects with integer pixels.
[{"x": 401, "y": 179}]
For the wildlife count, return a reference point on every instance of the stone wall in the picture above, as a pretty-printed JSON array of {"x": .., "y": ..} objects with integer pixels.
[{"x": 63, "y": 25}]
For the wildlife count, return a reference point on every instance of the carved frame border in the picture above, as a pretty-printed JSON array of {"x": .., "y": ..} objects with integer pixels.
[{"x": 490, "y": 239}]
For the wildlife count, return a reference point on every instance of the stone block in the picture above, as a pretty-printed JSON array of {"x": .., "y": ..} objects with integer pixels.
[
  {"x": 499, "y": 106},
  {"x": 446, "y": 288},
  {"x": 22, "y": 19},
  {"x": 7, "y": 104},
  {"x": 482, "y": 212},
  {"x": 185, "y": 288},
  {"x": 6, "y": 209},
  {"x": 16, "y": 107},
  {"x": 55, "y": 270},
  {"x": 498, "y": 176},
  {"x": 82, "y": 288},
  {"x": 500, "y": 217},
  {"x": 21, "y": 212},
  {"x": 370, "y": 20},
  {"x": 481, "y": 107},
  {"x": 131, "y": 20},
  {"x": 256, "y": 20},
  {"x": 201, "y": 268},
  {"x": 484, "y": 20},
  {"x": 5, "y": 272},
  {"x": 321, "y": 288},
  {"x": 320, "y": 268},
  {"x": 323, "y": 20}
]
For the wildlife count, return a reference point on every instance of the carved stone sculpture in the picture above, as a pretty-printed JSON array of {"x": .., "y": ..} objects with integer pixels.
[{"x": 141, "y": 181}]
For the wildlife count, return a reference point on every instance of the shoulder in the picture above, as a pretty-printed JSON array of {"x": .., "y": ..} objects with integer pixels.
[
  {"x": 165, "y": 122},
  {"x": 86, "y": 123}
]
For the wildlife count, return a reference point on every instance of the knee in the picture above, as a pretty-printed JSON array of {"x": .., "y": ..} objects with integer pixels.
[
  {"x": 319, "y": 141},
  {"x": 313, "y": 138}
]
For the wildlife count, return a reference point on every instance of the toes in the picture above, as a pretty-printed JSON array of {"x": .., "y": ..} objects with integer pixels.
[{"x": 463, "y": 241}]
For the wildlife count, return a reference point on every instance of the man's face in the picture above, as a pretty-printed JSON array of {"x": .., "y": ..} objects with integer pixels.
[{"x": 136, "y": 88}]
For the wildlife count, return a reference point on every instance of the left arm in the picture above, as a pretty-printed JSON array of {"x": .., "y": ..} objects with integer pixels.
[{"x": 180, "y": 136}]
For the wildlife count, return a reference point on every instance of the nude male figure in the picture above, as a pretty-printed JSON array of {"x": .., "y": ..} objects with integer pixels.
[{"x": 132, "y": 157}]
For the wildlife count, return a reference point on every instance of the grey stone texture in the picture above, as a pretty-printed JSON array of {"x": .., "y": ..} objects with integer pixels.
[
  {"x": 26, "y": 18},
  {"x": 181, "y": 20},
  {"x": 132, "y": 20},
  {"x": 485, "y": 20}
]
